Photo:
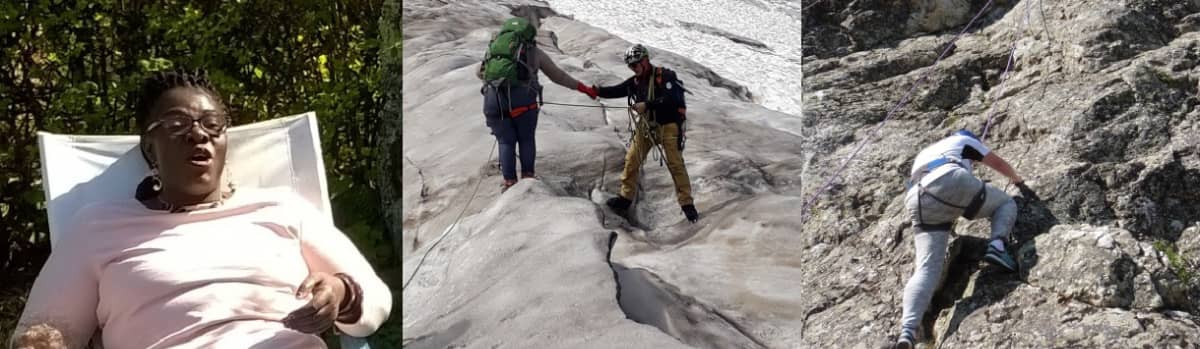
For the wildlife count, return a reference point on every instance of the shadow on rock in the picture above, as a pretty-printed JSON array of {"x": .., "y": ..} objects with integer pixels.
[
  {"x": 840, "y": 27},
  {"x": 440, "y": 339},
  {"x": 990, "y": 284}
]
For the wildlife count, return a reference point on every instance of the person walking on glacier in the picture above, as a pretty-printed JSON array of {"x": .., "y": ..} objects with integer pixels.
[{"x": 656, "y": 95}]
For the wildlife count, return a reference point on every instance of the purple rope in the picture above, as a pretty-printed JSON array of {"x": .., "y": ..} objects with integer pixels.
[
  {"x": 815, "y": 3},
  {"x": 829, "y": 181}
]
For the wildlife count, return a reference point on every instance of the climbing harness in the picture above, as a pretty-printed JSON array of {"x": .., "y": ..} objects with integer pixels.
[
  {"x": 644, "y": 124},
  {"x": 969, "y": 210},
  {"x": 507, "y": 111},
  {"x": 804, "y": 209},
  {"x": 452, "y": 225}
]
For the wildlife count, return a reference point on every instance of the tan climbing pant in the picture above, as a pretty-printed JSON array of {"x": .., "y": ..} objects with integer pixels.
[{"x": 642, "y": 145}]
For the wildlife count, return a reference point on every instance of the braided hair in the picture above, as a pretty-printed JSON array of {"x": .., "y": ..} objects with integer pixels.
[{"x": 153, "y": 87}]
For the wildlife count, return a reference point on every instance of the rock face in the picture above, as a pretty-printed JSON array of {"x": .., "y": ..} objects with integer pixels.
[
  {"x": 1098, "y": 113},
  {"x": 499, "y": 291},
  {"x": 1082, "y": 286}
]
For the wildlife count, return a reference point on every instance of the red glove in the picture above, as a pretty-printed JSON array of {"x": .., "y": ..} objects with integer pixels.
[{"x": 587, "y": 90}]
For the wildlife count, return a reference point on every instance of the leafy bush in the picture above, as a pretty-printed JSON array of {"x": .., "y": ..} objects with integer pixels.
[
  {"x": 1175, "y": 261},
  {"x": 75, "y": 66}
]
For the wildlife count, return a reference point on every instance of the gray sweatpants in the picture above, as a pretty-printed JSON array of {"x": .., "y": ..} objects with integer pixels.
[{"x": 956, "y": 187}]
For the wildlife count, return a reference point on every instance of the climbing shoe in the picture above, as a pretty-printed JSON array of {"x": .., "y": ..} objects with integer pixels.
[
  {"x": 1000, "y": 258},
  {"x": 904, "y": 342},
  {"x": 690, "y": 212},
  {"x": 619, "y": 204}
]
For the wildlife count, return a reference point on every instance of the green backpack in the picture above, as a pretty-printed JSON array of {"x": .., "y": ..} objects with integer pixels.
[{"x": 505, "y": 59}]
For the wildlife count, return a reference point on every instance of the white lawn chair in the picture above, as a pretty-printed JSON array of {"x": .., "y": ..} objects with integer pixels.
[{"x": 77, "y": 170}]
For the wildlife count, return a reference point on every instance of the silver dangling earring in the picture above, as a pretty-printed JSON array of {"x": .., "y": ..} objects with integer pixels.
[{"x": 155, "y": 179}]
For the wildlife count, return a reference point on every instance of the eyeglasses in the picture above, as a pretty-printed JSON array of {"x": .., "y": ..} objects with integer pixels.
[{"x": 212, "y": 123}]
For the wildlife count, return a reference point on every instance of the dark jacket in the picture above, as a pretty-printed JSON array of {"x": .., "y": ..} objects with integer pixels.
[{"x": 667, "y": 106}]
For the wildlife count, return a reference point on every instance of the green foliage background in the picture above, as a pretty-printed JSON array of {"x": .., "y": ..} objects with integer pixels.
[{"x": 75, "y": 66}]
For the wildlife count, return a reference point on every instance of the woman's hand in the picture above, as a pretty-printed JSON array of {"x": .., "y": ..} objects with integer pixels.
[{"x": 326, "y": 293}]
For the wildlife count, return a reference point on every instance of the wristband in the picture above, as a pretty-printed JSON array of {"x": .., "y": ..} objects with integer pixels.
[{"x": 351, "y": 308}]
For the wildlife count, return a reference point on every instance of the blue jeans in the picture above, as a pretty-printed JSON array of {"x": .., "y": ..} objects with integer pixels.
[{"x": 512, "y": 133}]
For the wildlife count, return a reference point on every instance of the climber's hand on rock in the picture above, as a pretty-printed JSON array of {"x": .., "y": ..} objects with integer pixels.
[{"x": 1026, "y": 192}]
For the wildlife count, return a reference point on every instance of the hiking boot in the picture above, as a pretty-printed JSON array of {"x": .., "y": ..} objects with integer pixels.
[
  {"x": 904, "y": 342},
  {"x": 1000, "y": 258},
  {"x": 619, "y": 204},
  {"x": 508, "y": 183},
  {"x": 690, "y": 212},
  {"x": 528, "y": 175}
]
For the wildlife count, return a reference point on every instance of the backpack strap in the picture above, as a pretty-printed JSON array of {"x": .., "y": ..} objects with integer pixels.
[
  {"x": 650, "y": 92},
  {"x": 658, "y": 80},
  {"x": 522, "y": 59}
]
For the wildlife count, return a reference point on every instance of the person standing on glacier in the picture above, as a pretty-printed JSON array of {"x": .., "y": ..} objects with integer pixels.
[
  {"x": 511, "y": 92},
  {"x": 656, "y": 94}
]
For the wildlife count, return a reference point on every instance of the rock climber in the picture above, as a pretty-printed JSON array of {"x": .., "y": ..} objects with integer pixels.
[{"x": 941, "y": 189}]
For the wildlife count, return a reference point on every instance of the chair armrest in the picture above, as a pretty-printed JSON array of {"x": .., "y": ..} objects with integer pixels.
[{"x": 349, "y": 342}]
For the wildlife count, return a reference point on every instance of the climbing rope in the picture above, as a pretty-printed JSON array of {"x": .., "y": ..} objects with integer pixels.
[
  {"x": 641, "y": 126},
  {"x": 991, "y": 115},
  {"x": 452, "y": 225},
  {"x": 829, "y": 180},
  {"x": 1004, "y": 78},
  {"x": 601, "y": 106},
  {"x": 636, "y": 122},
  {"x": 814, "y": 3},
  {"x": 1012, "y": 57},
  {"x": 476, "y": 192},
  {"x": 642, "y": 122}
]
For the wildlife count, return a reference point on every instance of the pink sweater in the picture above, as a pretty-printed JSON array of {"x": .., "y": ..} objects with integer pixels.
[{"x": 221, "y": 277}]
